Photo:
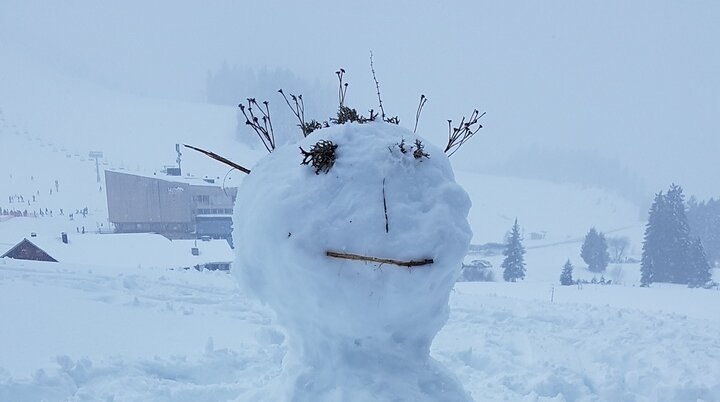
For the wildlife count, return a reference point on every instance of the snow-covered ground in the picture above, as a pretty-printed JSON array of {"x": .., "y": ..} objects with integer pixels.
[{"x": 144, "y": 334}]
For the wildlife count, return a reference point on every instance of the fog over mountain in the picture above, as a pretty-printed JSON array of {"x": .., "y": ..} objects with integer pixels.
[{"x": 633, "y": 83}]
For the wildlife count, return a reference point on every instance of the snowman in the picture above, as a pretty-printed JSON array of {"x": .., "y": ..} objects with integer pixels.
[{"x": 354, "y": 237}]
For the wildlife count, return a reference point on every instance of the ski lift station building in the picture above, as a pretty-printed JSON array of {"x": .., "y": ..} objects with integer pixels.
[{"x": 176, "y": 207}]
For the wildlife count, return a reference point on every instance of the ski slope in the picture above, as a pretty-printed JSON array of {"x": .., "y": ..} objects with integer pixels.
[{"x": 71, "y": 118}]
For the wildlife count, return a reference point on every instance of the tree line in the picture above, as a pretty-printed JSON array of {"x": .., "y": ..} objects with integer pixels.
[{"x": 680, "y": 245}]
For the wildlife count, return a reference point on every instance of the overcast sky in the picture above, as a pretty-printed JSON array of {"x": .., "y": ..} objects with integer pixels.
[{"x": 636, "y": 82}]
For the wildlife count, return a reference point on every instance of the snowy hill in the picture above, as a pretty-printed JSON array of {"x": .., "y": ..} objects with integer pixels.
[
  {"x": 72, "y": 117},
  {"x": 561, "y": 212}
]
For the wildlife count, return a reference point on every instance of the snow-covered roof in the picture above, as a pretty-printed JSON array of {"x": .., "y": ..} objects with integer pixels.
[
  {"x": 187, "y": 179},
  {"x": 132, "y": 250}
]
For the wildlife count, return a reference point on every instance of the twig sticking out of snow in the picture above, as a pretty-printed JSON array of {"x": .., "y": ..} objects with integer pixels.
[
  {"x": 357, "y": 257},
  {"x": 377, "y": 86},
  {"x": 423, "y": 99},
  {"x": 419, "y": 151},
  {"x": 343, "y": 87},
  {"x": 387, "y": 225},
  {"x": 219, "y": 158},
  {"x": 299, "y": 112},
  {"x": 463, "y": 132},
  {"x": 393, "y": 120},
  {"x": 347, "y": 114},
  {"x": 264, "y": 130}
]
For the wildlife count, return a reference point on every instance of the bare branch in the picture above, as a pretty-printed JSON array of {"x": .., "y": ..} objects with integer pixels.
[
  {"x": 343, "y": 87},
  {"x": 219, "y": 158},
  {"x": 377, "y": 86},
  {"x": 299, "y": 111},
  {"x": 264, "y": 130},
  {"x": 387, "y": 224},
  {"x": 457, "y": 136},
  {"x": 357, "y": 257},
  {"x": 423, "y": 100}
]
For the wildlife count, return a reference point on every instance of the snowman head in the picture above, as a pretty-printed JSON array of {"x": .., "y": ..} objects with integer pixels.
[{"x": 378, "y": 191}]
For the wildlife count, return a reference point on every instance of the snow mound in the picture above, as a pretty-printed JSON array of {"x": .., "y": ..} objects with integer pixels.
[{"x": 357, "y": 330}]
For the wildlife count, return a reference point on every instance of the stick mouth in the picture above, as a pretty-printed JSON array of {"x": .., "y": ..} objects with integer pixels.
[{"x": 358, "y": 257}]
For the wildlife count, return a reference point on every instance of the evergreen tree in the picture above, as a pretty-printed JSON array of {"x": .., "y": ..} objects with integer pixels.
[
  {"x": 594, "y": 251},
  {"x": 650, "y": 240},
  {"x": 704, "y": 220},
  {"x": 566, "y": 278},
  {"x": 667, "y": 247},
  {"x": 699, "y": 272},
  {"x": 514, "y": 263},
  {"x": 677, "y": 237}
]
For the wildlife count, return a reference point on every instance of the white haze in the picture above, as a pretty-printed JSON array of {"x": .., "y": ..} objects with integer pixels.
[
  {"x": 592, "y": 107},
  {"x": 633, "y": 83}
]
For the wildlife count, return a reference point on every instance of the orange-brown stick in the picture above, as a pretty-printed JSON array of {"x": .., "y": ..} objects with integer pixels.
[{"x": 357, "y": 257}]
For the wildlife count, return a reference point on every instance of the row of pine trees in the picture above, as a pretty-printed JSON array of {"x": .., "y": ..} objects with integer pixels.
[{"x": 671, "y": 251}]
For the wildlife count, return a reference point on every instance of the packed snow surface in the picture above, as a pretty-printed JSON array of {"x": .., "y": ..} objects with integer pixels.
[
  {"x": 358, "y": 330},
  {"x": 143, "y": 334}
]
